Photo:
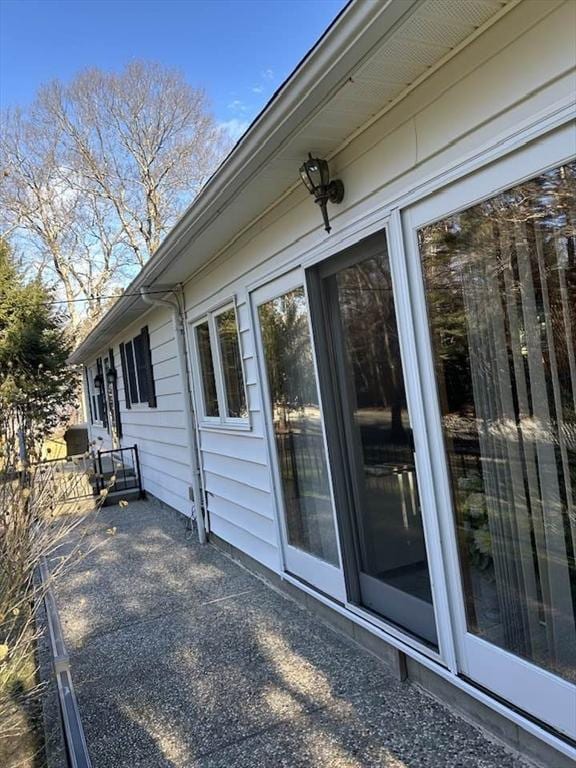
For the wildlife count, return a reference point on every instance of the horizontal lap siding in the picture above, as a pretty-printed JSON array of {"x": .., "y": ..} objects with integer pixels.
[
  {"x": 237, "y": 492},
  {"x": 501, "y": 83},
  {"x": 160, "y": 433},
  {"x": 249, "y": 447},
  {"x": 236, "y": 470}
]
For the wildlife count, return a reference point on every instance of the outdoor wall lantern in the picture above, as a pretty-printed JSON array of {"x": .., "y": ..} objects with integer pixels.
[
  {"x": 98, "y": 382},
  {"x": 111, "y": 376},
  {"x": 315, "y": 174}
]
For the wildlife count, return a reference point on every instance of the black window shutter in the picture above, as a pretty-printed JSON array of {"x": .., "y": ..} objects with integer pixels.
[
  {"x": 148, "y": 363},
  {"x": 128, "y": 349},
  {"x": 125, "y": 376},
  {"x": 90, "y": 413},
  {"x": 115, "y": 395},
  {"x": 101, "y": 394},
  {"x": 141, "y": 373}
]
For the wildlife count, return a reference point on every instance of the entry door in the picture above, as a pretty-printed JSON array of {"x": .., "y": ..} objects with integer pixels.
[
  {"x": 296, "y": 434},
  {"x": 384, "y": 521},
  {"x": 497, "y": 280}
]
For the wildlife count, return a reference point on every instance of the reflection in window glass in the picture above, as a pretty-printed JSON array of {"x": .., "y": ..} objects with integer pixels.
[
  {"x": 391, "y": 535},
  {"x": 501, "y": 289},
  {"x": 207, "y": 370},
  {"x": 298, "y": 425},
  {"x": 231, "y": 364},
  {"x": 141, "y": 372}
]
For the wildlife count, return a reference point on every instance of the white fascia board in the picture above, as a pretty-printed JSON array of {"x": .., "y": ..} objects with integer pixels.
[{"x": 359, "y": 28}]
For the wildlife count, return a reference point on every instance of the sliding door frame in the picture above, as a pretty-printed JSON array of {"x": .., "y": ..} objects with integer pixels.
[
  {"x": 515, "y": 678},
  {"x": 339, "y": 427},
  {"x": 322, "y": 575}
]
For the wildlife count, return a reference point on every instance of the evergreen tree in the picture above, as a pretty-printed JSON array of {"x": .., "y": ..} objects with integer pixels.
[{"x": 37, "y": 388}]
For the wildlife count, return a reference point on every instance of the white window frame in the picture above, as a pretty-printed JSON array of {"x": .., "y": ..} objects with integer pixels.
[
  {"x": 321, "y": 575},
  {"x": 222, "y": 421},
  {"x": 93, "y": 395},
  {"x": 517, "y": 680}
]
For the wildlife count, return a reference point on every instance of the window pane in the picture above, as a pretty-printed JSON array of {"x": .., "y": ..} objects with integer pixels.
[
  {"x": 298, "y": 425},
  {"x": 141, "y": 370},
  {"x": 501, "y": 288},
  {"x": 131, "y": 372},
  {"x": 231, "y": 364},
  {"x": 207, "y": 370},
  {"x": 390, "y": 530}
]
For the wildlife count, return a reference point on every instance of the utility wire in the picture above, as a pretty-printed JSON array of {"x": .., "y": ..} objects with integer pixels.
[{"x": 100, "y": 298}]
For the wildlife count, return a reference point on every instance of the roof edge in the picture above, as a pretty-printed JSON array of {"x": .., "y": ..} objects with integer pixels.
[{"x": 306, "y": 86}]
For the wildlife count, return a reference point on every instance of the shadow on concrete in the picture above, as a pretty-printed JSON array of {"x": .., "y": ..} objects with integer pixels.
[{"x": 182, "y": 658}]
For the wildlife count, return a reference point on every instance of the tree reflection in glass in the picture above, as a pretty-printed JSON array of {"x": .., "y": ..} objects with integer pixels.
[
  {"x": 227, "y": 330},
  {"x": 207, "y": 370},
  {"x": 501, "y": 290},
  {"x": 391, "y": 535},
  {"x": 298, "y": 425}
]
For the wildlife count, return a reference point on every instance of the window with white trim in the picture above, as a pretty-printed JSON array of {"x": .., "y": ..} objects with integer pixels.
[
  {"x": 220, "y": 370},
  {"x": 95, "y": 384}
]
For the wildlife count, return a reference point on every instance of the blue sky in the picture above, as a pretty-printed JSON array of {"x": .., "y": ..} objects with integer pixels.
[{"x": 240, "y": 51}]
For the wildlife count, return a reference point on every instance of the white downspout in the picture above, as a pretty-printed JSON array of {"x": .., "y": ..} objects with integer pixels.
[{"x": 178, "y": 321}]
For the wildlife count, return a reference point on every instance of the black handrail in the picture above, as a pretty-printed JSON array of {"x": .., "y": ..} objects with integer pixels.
[
  {"x": 129, "y": 470},
  {"x": 124, "y": 465}
]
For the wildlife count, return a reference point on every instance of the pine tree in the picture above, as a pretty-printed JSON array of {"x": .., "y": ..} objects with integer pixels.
[{"x": 37, "y": 387}]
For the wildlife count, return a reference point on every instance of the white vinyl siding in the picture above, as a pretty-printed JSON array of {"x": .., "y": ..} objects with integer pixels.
[
  {"x": 475, "y": 102},
  {"x": 160, "y": 433},
  {"x": 502, "y": 85},
  {"x": 236, "y": 470}
]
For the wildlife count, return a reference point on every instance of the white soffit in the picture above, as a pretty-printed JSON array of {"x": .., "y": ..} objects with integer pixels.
[
  {"x": 425, "y": 34},
  {"x": 419, "y": 43}
]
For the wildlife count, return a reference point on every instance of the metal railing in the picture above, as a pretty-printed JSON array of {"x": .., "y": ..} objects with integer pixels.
[
  {"x": 75, "y": 741},
  {"x": 121, "y": 463},
  {"x": 86, "y": 475}
]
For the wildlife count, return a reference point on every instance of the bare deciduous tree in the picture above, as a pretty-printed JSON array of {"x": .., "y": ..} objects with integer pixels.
[{"x": 97, "y": 171}]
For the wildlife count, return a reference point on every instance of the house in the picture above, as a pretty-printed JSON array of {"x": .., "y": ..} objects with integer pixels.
[{"x": 384, "y": 416}]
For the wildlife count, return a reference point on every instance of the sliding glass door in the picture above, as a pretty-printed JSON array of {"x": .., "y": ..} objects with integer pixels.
[
  {"x": 297, "y": 436},
  {"x": 499, "y": 279},
  {"x": 364, "y": 379}
]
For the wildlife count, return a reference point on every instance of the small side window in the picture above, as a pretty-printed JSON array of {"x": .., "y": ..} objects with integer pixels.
[
  {"x": 220, "y": 373},
  {"x": 207, "y": 370}
]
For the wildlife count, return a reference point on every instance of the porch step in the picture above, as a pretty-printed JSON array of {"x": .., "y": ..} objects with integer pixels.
[
  {"x": 125, "y": 480},
  {"x": 113, "y": 497}
]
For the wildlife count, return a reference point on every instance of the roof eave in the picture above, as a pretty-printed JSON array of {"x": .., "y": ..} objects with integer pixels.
[{"x": 347, "y": 41}]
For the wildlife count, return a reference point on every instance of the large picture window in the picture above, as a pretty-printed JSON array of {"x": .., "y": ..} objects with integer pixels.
[
  {"x": 501, "y": 288},
  {"x": 220, "y": 372}
]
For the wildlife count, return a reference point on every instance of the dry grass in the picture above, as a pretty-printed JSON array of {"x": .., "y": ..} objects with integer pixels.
[{"x": 34, "y": 523}]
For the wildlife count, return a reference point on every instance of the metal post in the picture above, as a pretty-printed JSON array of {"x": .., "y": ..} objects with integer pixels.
[
  {"x": 137, "y": 467},
  {"x": 100, "y": 477}
]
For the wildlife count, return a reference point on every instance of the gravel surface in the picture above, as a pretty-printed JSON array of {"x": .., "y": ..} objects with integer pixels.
[{"x": 183, "y": 659}]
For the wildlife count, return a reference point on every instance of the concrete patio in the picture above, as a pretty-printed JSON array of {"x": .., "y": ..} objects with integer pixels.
[{"x": 181, "y": 658}]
